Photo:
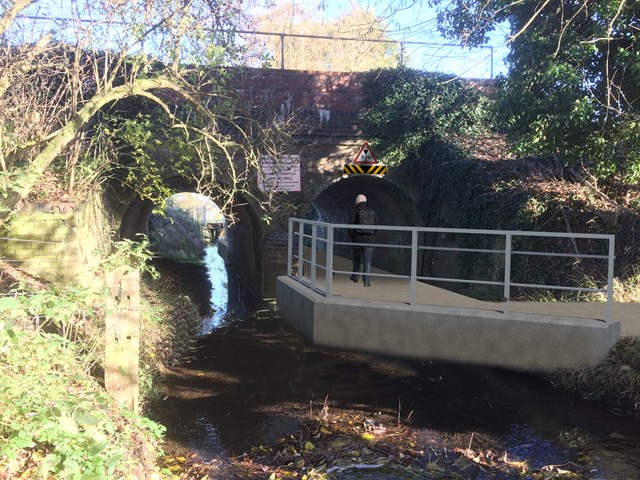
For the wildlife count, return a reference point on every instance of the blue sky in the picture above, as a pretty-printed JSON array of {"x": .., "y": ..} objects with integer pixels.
[
  {"x": 410, "y": 21},
  {"x": 414, "y": 21}
]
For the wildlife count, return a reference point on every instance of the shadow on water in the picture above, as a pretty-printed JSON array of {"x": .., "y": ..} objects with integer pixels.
[{"x": 253, "y": 380}]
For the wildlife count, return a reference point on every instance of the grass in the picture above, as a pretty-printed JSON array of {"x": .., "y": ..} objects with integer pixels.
[{"x": 616, "y": 380}]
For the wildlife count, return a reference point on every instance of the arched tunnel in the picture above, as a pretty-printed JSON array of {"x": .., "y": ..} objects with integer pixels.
[
  {"x": 251, "y": 255},
  {"x": 243, "y": 237},
  {"x": 393, "y": 206}
]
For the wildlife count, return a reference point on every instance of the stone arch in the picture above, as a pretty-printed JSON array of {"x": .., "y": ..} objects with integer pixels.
[{"x": 242, "y": 248}]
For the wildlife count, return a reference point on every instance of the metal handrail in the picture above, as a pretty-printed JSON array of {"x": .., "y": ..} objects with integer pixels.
[{"x": 298, "y": 227}]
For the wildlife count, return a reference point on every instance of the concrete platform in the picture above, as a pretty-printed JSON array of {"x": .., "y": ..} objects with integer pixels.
[
  {"x": 531, "y": 336},
  {"x": 397, "y": 290}
]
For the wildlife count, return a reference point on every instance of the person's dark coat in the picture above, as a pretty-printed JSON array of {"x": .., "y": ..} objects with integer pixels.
[{"x": 357, "y": 237}]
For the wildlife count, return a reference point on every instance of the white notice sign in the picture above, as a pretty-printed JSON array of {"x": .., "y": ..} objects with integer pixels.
[{"x": 281, "y": 174}]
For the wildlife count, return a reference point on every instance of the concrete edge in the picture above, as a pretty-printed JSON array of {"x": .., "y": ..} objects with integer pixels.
[{"x": 515, "y": 340}]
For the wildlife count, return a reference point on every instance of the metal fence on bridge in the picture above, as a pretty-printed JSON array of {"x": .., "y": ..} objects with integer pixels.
[{"x": 314, "y": 249}]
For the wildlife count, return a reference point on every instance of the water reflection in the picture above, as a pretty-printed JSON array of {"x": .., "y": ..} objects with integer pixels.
[{"x": 219, "y": 280}]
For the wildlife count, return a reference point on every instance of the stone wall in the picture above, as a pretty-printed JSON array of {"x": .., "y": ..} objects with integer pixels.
[{"x": 57, "y": 241}]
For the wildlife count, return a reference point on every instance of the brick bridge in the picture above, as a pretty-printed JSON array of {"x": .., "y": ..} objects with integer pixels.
[{"x": 327, "y": 106}]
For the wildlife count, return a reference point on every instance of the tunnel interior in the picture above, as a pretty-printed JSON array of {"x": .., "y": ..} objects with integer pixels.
[
  {"x": 391, "y": 204},
  {"x": 242, "y": 236}
]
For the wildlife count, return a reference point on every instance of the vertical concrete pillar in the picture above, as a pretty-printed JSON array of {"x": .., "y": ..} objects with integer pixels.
[{"x": 122, "y": 342}]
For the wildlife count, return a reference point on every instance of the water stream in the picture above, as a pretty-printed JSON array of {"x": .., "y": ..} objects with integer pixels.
[{"x": 253, "y": 379}]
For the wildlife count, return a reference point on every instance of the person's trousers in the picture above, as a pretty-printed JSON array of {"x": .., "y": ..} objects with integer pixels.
[{"x": 362, "y": 258}]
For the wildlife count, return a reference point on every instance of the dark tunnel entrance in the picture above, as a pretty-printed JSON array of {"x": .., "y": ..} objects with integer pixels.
[{"x": 391, "y": 204}]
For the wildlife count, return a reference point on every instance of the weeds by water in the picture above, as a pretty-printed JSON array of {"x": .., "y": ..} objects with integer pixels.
[
  {"x": 616, "y": 380},
  {"x": 56, "y": 420}
]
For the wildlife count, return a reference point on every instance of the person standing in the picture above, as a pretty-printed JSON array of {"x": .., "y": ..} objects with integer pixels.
[{"x": 362, "y": 238}]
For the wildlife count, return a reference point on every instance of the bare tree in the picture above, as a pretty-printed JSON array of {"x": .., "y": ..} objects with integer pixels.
[
  {"x": 59, "y": 69},
  {"x": 356, "y": 40}
]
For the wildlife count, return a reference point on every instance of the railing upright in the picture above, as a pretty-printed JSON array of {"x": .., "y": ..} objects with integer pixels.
[
  {"x": 612, "y": 252},
  {"x": 414, "y": 266},
  {"x": 290, "y": 248},
  {"x": 300, "y": 250},
  {"x": 297, "y": 226},
  {"x": 507, "y": 271},
  {"x": 329, "y": 262},
  {"x": 314, "y": 253}
]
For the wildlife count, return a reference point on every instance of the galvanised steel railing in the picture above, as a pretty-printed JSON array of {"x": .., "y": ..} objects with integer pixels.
[{"x": 313, "y": 237}]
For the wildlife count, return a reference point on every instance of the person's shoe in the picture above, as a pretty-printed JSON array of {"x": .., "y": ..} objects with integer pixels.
[
  {"x": 367, "y": 284},
  {"x": 353, "y": 278}
]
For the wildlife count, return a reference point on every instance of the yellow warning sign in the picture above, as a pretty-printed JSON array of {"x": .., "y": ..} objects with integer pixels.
[{"x": 375, "y": 169}]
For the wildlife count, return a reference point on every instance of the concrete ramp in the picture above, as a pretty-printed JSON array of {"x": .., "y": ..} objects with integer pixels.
[{"x": 518, "y": 341}]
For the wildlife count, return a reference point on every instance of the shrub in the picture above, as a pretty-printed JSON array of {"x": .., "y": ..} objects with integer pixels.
[{"x": 55, "y": 420}]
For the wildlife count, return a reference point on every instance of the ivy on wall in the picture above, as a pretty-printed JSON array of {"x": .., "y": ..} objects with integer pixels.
[{"x": 429, "y": 129}]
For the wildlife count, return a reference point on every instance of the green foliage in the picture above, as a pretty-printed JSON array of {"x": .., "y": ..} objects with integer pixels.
[
  {"x": 131, "y": 254},
  {"x": 69, "y": 309},
  {"x": 574, "y": 71},
  {"x": 177, "y": 235},
  {"x": 55, "y": 421},
  {"x": 136, "y": 141},
  {"x": 410, "y": 112}
]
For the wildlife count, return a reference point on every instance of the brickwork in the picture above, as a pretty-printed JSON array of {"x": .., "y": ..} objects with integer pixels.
[
  {"x": 328, "y": 103},
  {"x": 55, "y": 241},
  {"x": 274, "y": 259}
]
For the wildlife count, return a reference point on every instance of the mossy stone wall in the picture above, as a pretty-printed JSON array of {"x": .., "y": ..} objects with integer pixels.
[{"x": 58, "y": 241}]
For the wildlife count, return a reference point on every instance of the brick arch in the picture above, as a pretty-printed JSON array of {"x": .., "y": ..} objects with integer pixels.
[
  {"x": 392, "y": 204},
  {"x": 243, "y": 237}
]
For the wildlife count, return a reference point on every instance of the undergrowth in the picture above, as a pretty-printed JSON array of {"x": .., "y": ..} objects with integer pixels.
[
  {"x": 57, "y": 422},
  {"x": 170, "y": 322},
  {"x": 615, "y": 380},
  {"x": 56, "y": 419}
]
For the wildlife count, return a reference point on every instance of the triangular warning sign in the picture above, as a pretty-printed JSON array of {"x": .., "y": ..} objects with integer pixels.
[{"x": 365, "y": 155}]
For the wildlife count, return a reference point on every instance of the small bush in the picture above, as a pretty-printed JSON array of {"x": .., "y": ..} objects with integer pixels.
[
  {"x": 616, "y": 380},
  {"x": 56, "y": 421}
]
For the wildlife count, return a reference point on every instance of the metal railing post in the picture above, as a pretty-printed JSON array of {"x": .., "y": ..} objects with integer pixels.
[
  {"x": 300, "y": 251},
  {"x": 329, "y": 262},
  {"x": 491, "y": 74},
  {"x": 612, "y": 245},
  {"x": 314, "y": 254},
  {"x": 414, "y": 266},
  {"x": 507, "y": 271},
  {"x": 282, "y": 51},
  {"x": 290, "y": 247}
]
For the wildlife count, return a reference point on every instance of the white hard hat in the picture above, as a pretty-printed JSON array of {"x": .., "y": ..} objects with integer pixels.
[{"x": 360, "y": 198}]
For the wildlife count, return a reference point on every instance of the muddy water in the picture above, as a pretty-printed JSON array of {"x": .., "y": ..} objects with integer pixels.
[{"x": 253, "y": 380}]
